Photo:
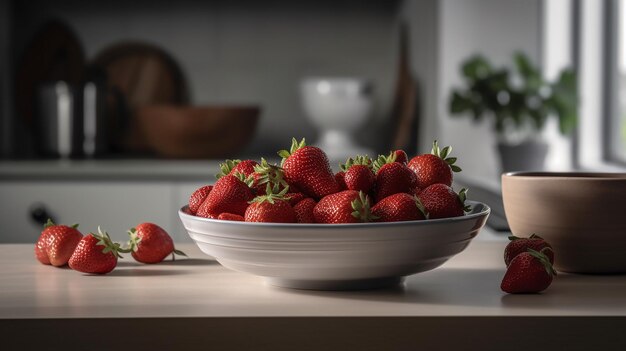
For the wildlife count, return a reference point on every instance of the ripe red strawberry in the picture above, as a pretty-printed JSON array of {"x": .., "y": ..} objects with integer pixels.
[
  {"x": 528, "y": 272},
  {"x": 417, "y": 191},
  {"x": 401, "y": 156},
  {"x": 230, "y": 217},
  {"x": 348, "y": 206},
  {"x": 435, "y": 167},
  {"x": 272, "y": 207},
  {"x": 229, "y": 167},
  {"x": 307, "y": 168},
  {"x": 399, "y": 207},
  {"x": 340, "y": 178},
  {"x": 151, "y": 244},
  {"x": 519, "y": 245},
  {"x": 57, "y": 243},
  {"x": 358, "y": 174},
  {"x": 441, "y": 201},
  {"x": 392, "y": 177},
  {"x": 294, "y": 198},
  {"x": 95, "y": 254},
  {"x": 304, "y": 210},
  {"x": 197, "y": 198},
  {"x": 265, "y": 173},
  {"x": 229, "y": 194}
]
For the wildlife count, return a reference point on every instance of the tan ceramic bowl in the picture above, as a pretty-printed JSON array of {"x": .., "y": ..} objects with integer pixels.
[{"x": 583, "y": 216}]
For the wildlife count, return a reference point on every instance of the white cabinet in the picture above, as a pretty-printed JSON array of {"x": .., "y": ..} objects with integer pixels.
[
  {"x": 114, "y": 194},
  {"x": 114, "y": 205}
]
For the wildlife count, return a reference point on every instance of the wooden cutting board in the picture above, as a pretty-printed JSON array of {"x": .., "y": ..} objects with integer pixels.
[{"x": 137, "y": 75}]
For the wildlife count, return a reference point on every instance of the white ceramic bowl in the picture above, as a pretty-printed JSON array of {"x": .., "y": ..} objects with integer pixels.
[{"x": 335, "y": 256}]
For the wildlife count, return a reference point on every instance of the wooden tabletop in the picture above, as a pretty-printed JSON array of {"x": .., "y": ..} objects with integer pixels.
[{"x": 189, "y": 295}]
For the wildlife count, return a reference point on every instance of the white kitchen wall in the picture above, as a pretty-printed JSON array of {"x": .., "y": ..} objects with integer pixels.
[
  {"x": 424, "y": 18},
  {"x": 557, "y": 55},
  {"x": 247, "y": 51},
  {"x": 496, "y": 29}
]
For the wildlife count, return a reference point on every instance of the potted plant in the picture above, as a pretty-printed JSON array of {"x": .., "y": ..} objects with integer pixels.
[{"x": 519, "y": 102}]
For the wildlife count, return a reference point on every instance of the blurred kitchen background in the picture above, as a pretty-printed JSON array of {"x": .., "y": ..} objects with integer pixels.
[{"x": 113, "y": 112}]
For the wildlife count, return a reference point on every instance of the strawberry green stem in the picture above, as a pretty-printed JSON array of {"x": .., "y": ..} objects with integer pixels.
[
  {"x": 226, "y": 168},
  {"x": 443, "y": 154},
  {"x": 358, "y": 160},
  {"x": 295, "y": 146},
  {"x": 271, "y": 196},
  {"x": 545, "y": 261},
  {"x": 362, "y": 208},
  {"x": 109, "y": 246},
  {"x": 383, "y": 160}
]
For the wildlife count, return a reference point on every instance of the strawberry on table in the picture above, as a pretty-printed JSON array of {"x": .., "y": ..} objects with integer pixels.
[
  {"x": 150, "y": 243},
  {"x": 304, "y": 210},
  {"x": 518, "y": 245},
  {"x": 528, "y": 272},
  {"x": 271, "y": 207},
  {"x": 392, "y": 177},
  {"x": 308, "y": 169},
  {"x": 348, "y": 206},
  {"x": 358, "y": 174},
  {"x": 229, "y": 194},
  {"x": 399, "y": 207},
  {"x": 96, "y": 254},
  {"x": 435, "y": 167},
  {"x": 441, "y": 201},
  {"x": 197, "y": 198},
  {"x": 57, "y": 243}
]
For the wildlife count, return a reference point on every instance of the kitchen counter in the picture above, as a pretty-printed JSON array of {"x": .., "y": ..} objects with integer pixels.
[
  {"x": 108, "y": 169},
  {"x": 196, "y": 303}
]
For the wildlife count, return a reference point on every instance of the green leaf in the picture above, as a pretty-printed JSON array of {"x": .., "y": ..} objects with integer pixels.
[
  {"x": 455, "y": 168},
  {"x": 178, "y": 252},
  {"x": 49, "y": 223},
  {"x": 445, "y": 152},
  {"x": 459, "y": 103},
  {"x": 476, "y": 67}
]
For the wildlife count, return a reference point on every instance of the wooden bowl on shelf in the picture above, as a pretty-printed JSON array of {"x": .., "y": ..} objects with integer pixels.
[{"x": 198, "y": 132}]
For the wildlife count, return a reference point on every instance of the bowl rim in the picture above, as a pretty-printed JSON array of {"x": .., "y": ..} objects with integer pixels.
[
  {"x": 591, "y": 176},
  {"x": 484, "y": 212}
]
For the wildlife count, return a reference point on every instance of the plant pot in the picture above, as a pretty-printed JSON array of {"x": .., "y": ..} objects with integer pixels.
[{"x": 527, "y": 156}]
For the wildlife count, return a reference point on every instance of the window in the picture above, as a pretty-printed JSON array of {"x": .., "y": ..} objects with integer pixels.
[
  {"x": 615, "y": 148},
  {"x": 600, "y": 55}
]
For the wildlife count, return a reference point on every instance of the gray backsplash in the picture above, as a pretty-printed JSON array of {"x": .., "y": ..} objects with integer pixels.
[{"x": 245, "y": 51}]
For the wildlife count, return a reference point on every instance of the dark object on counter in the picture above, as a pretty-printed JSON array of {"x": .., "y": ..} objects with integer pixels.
[
  {"x": 54, "y": 54},
  {"x": 58, "y": 126},
  {"x": 97, "y": 126},
  {"x": 40, "y": 214},
  {"x": 198, "y": 132},
  {"x": 47, "y": 74},
  {"x": 137, "y": 75}
]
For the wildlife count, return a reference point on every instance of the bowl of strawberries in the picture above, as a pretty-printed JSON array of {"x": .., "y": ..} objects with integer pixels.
[{"x": 299, "y": 225}]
